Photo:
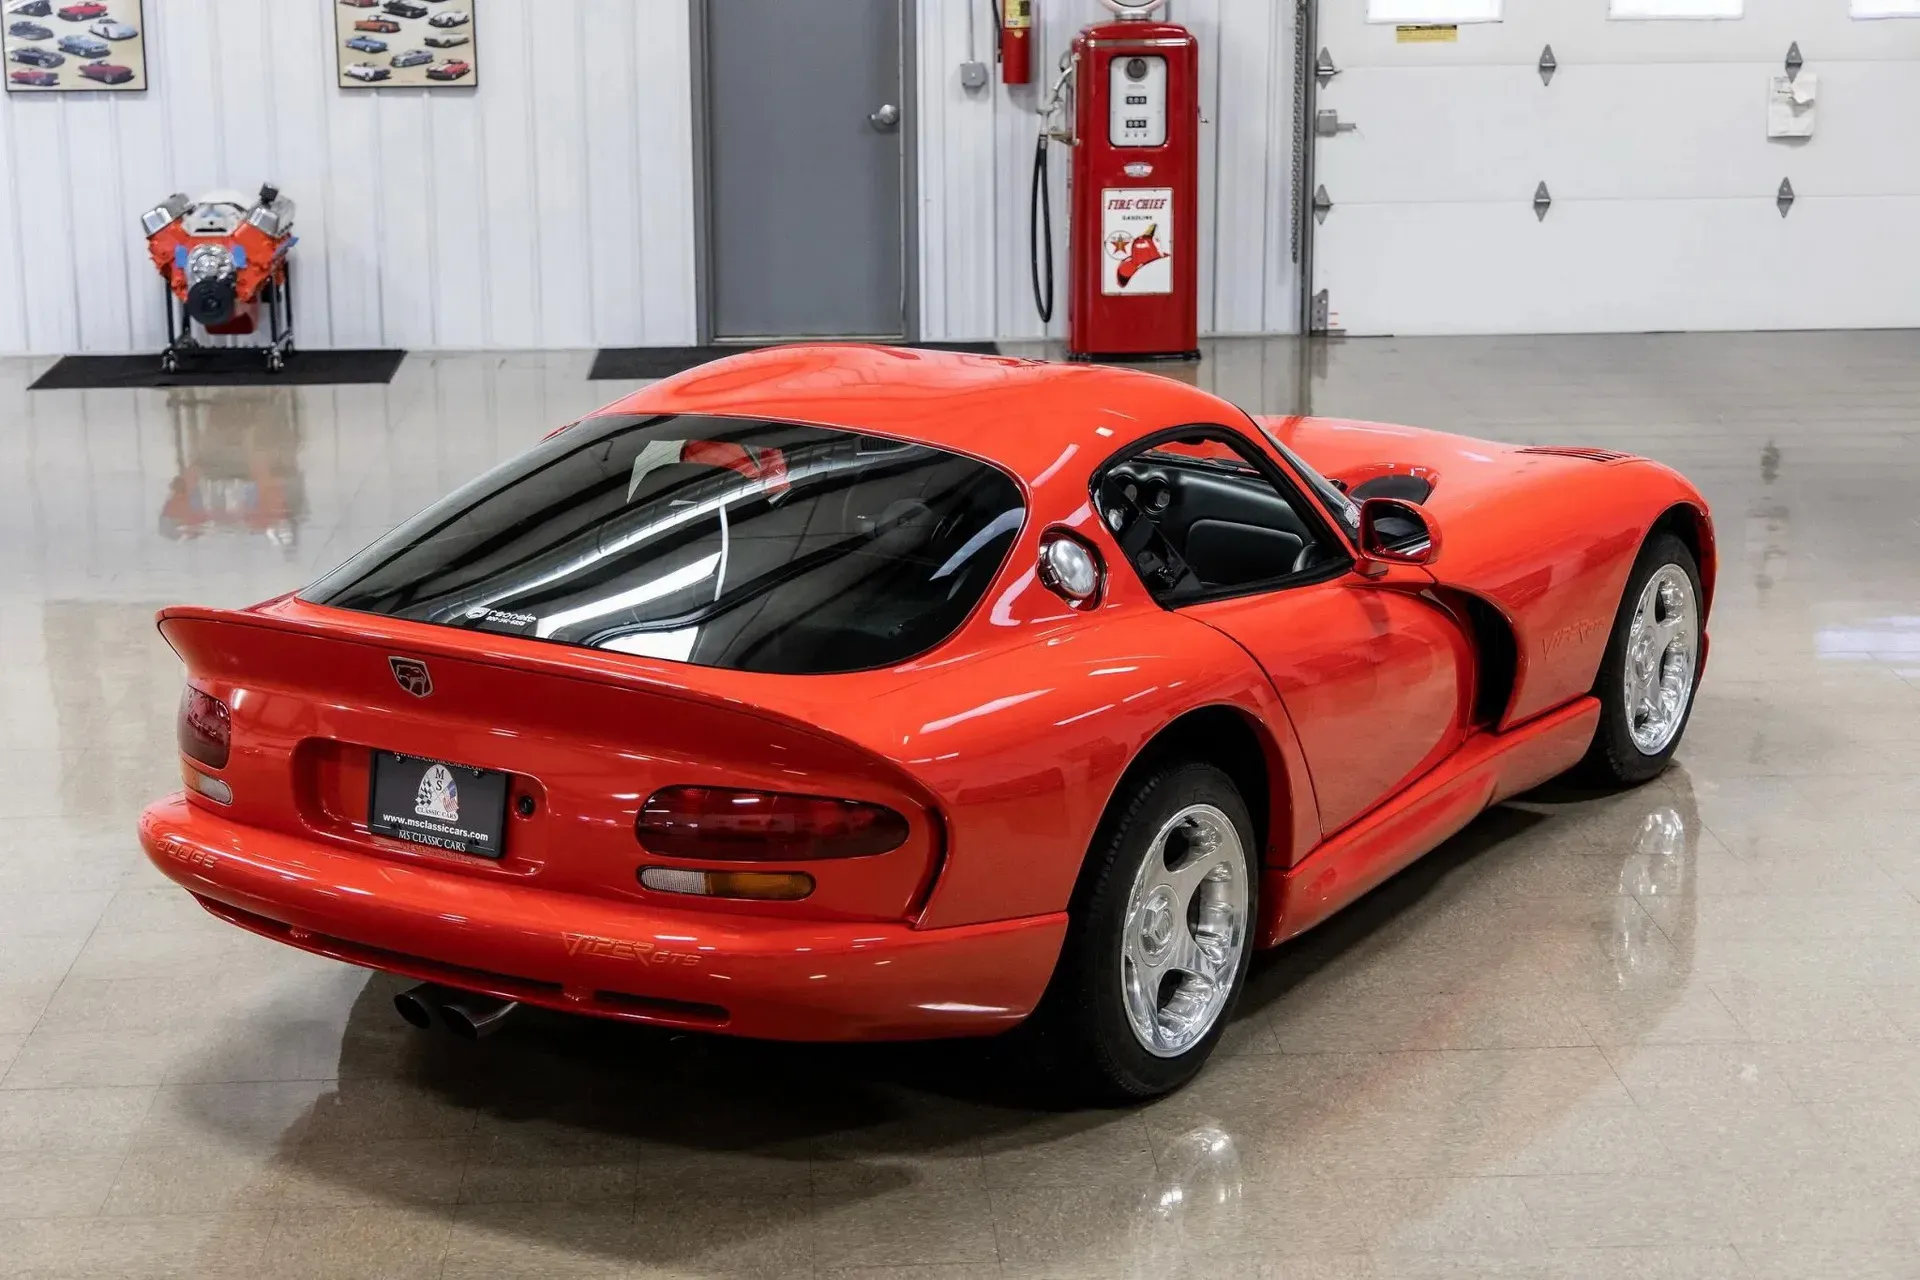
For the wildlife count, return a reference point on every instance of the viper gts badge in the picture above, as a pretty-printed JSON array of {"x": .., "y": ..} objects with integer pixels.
[{"x": 412, "y": 675}]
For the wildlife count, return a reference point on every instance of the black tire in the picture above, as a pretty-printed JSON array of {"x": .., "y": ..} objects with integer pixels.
[
  {"x": 1614, "y": 759},
  {"x": 1085, "y": 1011}
]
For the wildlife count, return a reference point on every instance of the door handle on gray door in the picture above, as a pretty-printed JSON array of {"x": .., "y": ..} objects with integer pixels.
[{"x": 885, "y": 118}]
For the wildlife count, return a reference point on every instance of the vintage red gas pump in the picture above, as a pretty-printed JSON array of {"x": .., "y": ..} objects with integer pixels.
[{"x": 1132, "y": 246}]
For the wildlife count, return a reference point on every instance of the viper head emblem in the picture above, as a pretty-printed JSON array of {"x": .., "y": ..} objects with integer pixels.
[{"x": 412, "y": 675}]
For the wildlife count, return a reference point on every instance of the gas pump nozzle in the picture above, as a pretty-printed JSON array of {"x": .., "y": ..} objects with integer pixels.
[{"x": 1040, "y": 199}]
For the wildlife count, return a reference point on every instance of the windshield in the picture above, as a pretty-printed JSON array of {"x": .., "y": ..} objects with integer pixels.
[
  {"x": 1331, "y": 495},
  {"x": 1217, "y": 453},
  {"x": 749, "y": 545}
]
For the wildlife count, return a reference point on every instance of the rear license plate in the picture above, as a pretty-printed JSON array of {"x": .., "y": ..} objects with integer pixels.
[{"x": 447, "y": 806}]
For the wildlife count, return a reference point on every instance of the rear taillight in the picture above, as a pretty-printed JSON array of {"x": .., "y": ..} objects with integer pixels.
[
  {"x": 764, "y": 826},
  {"x": 204, "y": 731}
]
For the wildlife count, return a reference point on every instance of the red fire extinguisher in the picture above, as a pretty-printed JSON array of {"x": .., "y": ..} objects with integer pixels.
[{"x": 1016, "y": 41}]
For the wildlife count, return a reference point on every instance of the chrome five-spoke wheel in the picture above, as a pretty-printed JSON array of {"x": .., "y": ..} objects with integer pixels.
[
  {"x": 1662, "y": 648},
  {"x": 1184, "y": 928},
  {"x": 1645, "y": 684}
]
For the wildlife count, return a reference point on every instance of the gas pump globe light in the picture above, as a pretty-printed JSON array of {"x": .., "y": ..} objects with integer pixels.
[{"x": 1135, "y": 9}]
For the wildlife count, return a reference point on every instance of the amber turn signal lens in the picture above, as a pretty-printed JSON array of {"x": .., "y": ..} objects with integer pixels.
[
  {"x": 758, "y": 886},
  {"x": 212, "y": 788}
]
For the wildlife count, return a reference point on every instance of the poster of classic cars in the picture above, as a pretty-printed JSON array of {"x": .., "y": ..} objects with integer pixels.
[
  {"x": 415, "y": 44},
  {"x": 51, "y": 46}
]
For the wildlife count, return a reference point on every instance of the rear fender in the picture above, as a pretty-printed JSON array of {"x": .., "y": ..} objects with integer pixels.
[{"x": 1026, "y": 748}]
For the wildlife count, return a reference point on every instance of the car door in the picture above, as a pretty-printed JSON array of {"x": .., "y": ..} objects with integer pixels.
[
  {"x": 1376, "y": 678},
  {"x": 1375, "y": 674}
]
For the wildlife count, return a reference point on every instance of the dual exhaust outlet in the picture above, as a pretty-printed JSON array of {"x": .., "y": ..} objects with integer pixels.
[{"x": 467, "y": 1014}]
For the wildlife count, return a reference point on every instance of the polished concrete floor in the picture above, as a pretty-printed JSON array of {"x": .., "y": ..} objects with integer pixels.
[{"x": 1669, "y": 1033}]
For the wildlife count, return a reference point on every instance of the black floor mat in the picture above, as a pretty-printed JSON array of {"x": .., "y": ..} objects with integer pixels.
[
  {"x": 630, "y": 364},
  {"x": 220, "y": 367}
]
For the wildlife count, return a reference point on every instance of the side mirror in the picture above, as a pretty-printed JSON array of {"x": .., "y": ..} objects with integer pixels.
[{"x": 1393, "y": 531}]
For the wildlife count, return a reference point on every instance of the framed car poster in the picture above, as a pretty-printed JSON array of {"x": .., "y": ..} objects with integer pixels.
[
  {"x": 410, "y": 44},
  {"x": 56, "y": 46}
]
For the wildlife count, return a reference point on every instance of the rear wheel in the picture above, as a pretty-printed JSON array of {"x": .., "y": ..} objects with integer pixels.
[
  {"x": 1159, "y": 944},
  {"x": 1651, "y": 667}
]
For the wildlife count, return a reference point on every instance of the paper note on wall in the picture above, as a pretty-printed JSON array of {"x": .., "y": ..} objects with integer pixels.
[{"x": 1790, "y": 104}]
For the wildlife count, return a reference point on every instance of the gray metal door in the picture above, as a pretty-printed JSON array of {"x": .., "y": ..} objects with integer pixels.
[{"x": 806, "y": 161}]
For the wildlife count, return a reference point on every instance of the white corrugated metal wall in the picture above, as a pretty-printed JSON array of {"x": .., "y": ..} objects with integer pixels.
[
  {"x": 552, "y": 206},
  {"x": 976, "y": 158}
]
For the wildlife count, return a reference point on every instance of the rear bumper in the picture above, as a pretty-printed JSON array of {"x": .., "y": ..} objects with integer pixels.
[{"x": 750, "y": 976}]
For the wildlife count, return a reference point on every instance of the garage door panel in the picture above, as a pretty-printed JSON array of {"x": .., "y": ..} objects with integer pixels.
[
  {"x": 1659, "y": 131},
  {"x": 1825, "y": 33},
  {"x": 1620, "y": 266}
]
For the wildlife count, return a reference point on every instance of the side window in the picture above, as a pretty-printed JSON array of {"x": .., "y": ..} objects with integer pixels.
[{"x": 1198, "y": 517}]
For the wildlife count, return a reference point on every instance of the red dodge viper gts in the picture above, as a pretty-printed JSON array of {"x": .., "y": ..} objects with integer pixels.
[{"x": 841, "y": 692}]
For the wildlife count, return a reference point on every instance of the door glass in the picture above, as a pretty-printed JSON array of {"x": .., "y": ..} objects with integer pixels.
[{"x": 1198, "y": 519}]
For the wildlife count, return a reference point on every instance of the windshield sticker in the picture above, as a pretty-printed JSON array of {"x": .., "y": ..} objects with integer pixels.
[{"x": 485, "y": 619}]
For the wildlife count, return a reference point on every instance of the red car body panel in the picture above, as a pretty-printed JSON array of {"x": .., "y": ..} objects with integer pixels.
[
  {"x": 1003, "y": 746},
  {"x": 1510, "y": 538}
]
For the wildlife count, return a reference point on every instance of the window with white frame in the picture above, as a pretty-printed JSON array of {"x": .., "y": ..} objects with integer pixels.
[
  {"x": 1675, "y": 8},
  {"x": 1886, "y": 8},
  {"x": 1422, "y": 12}
]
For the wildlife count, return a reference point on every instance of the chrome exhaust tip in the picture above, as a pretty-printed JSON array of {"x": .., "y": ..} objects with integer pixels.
[{"x": 473, "y": 1016}]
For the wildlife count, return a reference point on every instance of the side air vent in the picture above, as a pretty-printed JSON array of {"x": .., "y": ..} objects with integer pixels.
[{"x": 1575, "y": 451}]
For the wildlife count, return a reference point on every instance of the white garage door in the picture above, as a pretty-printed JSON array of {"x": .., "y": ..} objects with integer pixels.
[{"x": 1652, "y": 141}]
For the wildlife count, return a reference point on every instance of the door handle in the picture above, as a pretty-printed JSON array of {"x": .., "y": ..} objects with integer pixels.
[{"x": 885, "y": 118}]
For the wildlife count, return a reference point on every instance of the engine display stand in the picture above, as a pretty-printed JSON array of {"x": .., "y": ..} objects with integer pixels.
[{"x": 277, "y": 297}]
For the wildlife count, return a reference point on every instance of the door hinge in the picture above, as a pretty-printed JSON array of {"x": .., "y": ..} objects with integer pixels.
[
  {"x": 1542, "y": 201},
  {"x": 1548, "y": 65},
  {"x": 1322, "y": 311},
  {"x": 1323, "y": 68},
  {"x": 1321, "y": 203},
  {"x": 1783, "y": 201},
  {"x": 1326, "y": 123}
]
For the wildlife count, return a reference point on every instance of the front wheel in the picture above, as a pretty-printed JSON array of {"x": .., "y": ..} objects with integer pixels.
[
  {"x": 1161, "y": 937},
  {"x": 1651, "y": 667}
]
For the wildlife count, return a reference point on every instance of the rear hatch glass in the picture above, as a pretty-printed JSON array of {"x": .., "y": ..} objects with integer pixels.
[{"x": 732, "y": 543}]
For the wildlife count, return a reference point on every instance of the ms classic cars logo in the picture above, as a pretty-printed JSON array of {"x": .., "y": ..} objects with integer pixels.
[
  {"x": 438, "y": 797},
  {"x": 412, "y": 675}
]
